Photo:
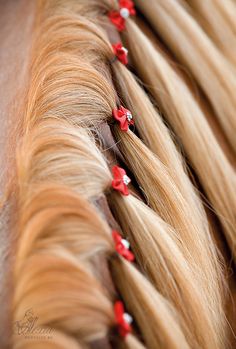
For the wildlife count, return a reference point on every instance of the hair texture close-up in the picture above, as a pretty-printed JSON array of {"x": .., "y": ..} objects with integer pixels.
[{"x": 118, "y": 186}]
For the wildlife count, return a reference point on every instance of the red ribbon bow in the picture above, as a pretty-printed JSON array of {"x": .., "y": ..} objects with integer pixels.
[
  {"x": 118, "y": 17},
  {"x": 123, "y": 319},
  {"x": 121, "y": 53},
  {"x": 124, "y": 117},
  {"x": 121, "y": 180},
  {"x": 122, "y": 246}
]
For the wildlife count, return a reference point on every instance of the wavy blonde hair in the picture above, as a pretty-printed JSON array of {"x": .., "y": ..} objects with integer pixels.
[{"x": 175, "y": 289}]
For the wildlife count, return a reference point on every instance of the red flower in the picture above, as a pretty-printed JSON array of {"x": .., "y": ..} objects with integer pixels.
[
  {"x": 124, "y": 117},
  {"x": 122, "y": 246},
  {"x": 121, "y": 53},
  {"x": 121, "y": 180},
  {"x": 123, "y": 319},
  {"x": 118, "y": 17}
]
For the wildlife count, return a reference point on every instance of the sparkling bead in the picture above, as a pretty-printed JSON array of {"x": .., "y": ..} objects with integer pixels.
[
  {"x": 125, "y": 50},
  {"x": 129, "y": 116},
  {"x": 126, "y": 180},
  {"x": 124, "y": 12},
  {"x": 125, "y": 243},
  {"x": 128, "y": 318}
]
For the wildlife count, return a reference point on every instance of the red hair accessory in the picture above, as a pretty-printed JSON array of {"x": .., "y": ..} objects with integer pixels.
[
  {"x": 121, "y": 180},
  {"x": 118, "y": 17},
  {"x": 124, "y": 117},
  {"x": 121, "y": 53},
  {"x": 122, "y": 246},
  {"x": 123, "y": 319}
]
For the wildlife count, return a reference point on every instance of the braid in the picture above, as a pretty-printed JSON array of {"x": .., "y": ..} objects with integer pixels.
[
  {"x": 173, "y": 289},
  {"x": 50, "y": 243}
]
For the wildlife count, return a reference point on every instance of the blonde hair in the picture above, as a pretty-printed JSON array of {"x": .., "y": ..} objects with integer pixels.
[
  {"x": 175, "y": 289},
  {"x": 201, "y": 56},
  {"x": 217, "y": 19}
]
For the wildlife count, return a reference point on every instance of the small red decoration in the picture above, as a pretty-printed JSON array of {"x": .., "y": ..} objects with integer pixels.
[
  {"x": 122, "y": 246},
  {"x": 124, "y": 117},
  {"x": 121, "y": 53},
  {"x": 118, "y": 17},
  {"x": 121, "y": 180},
  {"x": 123, "y": 319}
]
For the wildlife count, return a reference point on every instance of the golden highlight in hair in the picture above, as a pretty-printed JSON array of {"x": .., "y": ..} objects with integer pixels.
[{"x": 67, "y": 268}]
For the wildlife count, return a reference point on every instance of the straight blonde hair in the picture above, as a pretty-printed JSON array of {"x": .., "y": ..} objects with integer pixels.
[{"x": 174, "y": 290}]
